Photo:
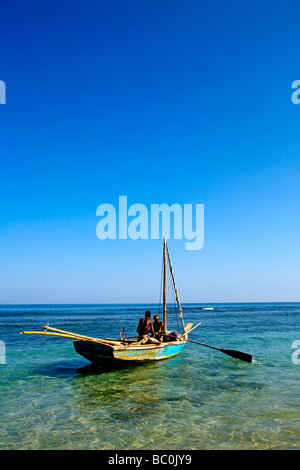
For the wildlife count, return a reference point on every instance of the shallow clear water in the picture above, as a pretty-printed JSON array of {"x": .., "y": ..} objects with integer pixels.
[{"x": 52, "y": 398}]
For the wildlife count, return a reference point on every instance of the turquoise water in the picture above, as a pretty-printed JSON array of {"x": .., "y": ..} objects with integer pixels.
[{"x": 52, "y": 398}]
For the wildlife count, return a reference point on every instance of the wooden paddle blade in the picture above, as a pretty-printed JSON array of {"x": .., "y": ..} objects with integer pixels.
[
  {"x": 237, "y": 354},
  {"x": 188, "y": 327}
]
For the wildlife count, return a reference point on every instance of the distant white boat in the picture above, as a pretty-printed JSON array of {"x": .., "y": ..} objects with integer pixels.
[{"x": 207, "y": 308}]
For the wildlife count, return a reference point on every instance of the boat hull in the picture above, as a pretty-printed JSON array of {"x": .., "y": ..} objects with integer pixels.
[{"x": 99, "y": 354}]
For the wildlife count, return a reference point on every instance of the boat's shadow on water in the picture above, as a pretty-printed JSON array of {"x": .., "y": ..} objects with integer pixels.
[{"x": 65, "y": 369}]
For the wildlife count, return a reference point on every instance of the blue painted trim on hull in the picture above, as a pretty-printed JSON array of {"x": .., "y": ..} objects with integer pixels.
[{"x": 98, "y": 353}]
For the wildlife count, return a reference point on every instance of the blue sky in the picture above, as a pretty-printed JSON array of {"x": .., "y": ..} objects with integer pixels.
[{"x": 165, "y": 102}]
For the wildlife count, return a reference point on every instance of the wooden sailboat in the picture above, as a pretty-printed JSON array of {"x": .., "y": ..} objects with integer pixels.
[
  {"x": 139, "y": 351},
  {"x": 127, "y": 350}
]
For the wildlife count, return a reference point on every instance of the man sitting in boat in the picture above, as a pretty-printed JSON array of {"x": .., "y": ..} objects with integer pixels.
[
  {"x": 158, "y": 327},
  {"x": 145, "y": 327}
]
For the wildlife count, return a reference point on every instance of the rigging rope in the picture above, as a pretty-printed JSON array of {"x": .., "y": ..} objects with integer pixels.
[{"x": 173, "y": 304}]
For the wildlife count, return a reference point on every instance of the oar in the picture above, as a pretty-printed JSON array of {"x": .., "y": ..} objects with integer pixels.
[
  {"x": 189, "y": 328},
  {"x": 116, "y": 343},
  {"x": 230, "y": 352},
  {"x": 73, "y": 336}
]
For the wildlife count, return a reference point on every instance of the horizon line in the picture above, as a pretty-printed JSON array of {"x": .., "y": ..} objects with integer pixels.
[{"x": 159, "y": 303}]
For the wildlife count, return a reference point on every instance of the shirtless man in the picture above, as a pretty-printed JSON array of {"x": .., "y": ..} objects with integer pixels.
[
  {"x": 158, "y": 327},
  {"x": 145, "y": 324}
]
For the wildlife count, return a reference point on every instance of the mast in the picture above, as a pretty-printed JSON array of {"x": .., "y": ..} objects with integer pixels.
[
  {"x": 165, "y": 287},
  {"x": 176, "y": 292}
]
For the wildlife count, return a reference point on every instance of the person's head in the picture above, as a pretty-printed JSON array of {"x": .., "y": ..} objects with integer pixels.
[
  {"x": 156, "y": 318},
  {"x": 147, "y": 314}
]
